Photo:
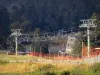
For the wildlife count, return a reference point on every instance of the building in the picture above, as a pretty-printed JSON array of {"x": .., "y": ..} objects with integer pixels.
[
  {"x": 64, "y": 48},
  {"x": 70, "y": 43}
]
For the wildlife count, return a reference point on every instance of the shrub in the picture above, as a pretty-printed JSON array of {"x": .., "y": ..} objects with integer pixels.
[
  {"x": 65, "y": 73},
  {"x": 50, "y": 73},
  {"x": 46, "y": 68},
  {"x": 3, "y": 62},
  {"x": 96, "y": 68},
  {"x": 10, "y": 74},
  {"x": 78, "y": 71}
]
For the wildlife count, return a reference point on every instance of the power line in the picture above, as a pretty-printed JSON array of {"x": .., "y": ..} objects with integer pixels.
[{"x": 25, "y": 37}]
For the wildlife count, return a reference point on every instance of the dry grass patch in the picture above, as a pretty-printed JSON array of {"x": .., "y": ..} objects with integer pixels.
[
  {"x": 64, "y": 67},
  {"x": 31, "y": 67},
  {"x": 19, "y": 67}
]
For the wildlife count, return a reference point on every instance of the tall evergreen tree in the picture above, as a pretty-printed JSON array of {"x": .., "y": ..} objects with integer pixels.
[{"x": 4, "y": 25}]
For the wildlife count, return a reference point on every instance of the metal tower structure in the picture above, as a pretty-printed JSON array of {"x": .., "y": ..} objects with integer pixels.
[
  {"x": 16, "y": 33},
  {"x": 88, "y": 23},
  {"x": 43, "y": 37}
]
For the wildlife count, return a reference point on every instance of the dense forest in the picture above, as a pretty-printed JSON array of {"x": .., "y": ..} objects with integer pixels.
[{"x": 48, "y": 15}]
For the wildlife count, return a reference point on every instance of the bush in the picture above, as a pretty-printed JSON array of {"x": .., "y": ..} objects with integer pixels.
[
  {"x": 46, "y": 68},
  {"x": 10, "y": 74},
  {"x": 50, "y": 73},
  {"x": 65, "y": 73},
  {"x": 3, "y": 62},
  {"x": 78, "y": 71},
  {"x": 96, "y": 68}
]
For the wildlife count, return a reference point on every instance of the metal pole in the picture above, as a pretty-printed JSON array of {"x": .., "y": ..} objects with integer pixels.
[
  {"x": 88, "y": 39},
  {"x": 16, "y": 33},
  {"x": 49, "y": 53},
  {"x": 95, "y": 37},
  {"x": 16, "y": 42},
  {"x": 82, "y": 49},
  {"x": 88, "y": 23},
  {"x": 30, "y": 48},
  {"x": 40, "y": 51},
  {"x": 34, "y": 50}
]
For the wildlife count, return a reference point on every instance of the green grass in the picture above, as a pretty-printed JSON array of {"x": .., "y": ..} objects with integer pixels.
[
  {"x": 76, "y": 71},
  {"x": 5, "y": 57},
  {"x": 34, "y": 73},
  {"x": 49, "y": 69}
]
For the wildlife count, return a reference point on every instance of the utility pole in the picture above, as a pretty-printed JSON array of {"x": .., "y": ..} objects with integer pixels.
[
  {"x": 30, "y": 47},
  {"x": 71, "y": 30},
  {"x": 88, "y": 23},
  {"x": 82, "y": 49},
  {"x": 61, "y": 33},
  {"x": 16, "y": 33}
]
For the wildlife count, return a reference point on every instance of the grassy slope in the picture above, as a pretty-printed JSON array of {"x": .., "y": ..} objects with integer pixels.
[
  {"x": 34, "y": 68},
  {"x": 5, "y": 57}
]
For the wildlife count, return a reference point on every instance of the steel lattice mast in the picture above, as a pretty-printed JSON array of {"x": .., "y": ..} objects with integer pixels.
[
  {"x": 88, "y": 23},
  {"x": 16, "y": 33}
]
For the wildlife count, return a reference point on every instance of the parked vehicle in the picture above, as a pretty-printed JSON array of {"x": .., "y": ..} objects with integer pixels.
[{"x": 12, "y": 52}]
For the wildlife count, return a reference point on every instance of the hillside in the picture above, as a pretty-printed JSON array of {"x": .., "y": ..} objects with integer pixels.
[{"x": 48, "y": 15}]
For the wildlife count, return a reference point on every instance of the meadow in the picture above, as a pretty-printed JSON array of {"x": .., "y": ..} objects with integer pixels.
[{"x": 42, "y": 68}]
